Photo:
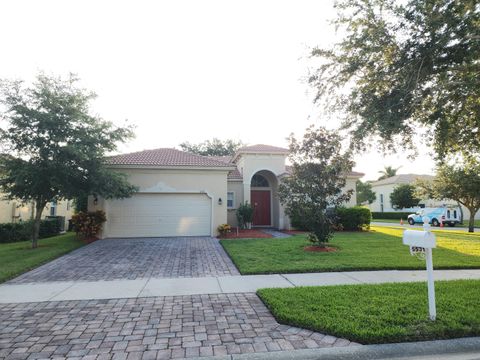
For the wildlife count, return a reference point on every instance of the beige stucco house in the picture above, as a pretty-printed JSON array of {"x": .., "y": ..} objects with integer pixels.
[
  {"x": 383, "y": 189},
  {"x": 183, "y": 194},
  {"x": 16, "y": 211}
]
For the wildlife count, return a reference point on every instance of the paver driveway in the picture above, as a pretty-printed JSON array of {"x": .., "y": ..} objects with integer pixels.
[
  {"x": 113, "y": 259},
  {"x": 149, "y": 328}
]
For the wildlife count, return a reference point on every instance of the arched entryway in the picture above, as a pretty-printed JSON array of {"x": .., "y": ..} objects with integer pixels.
[{"x": 263, "y": 197}]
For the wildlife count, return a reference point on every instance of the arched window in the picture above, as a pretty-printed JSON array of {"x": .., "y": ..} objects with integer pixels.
[{"x": 259, "y": 181}]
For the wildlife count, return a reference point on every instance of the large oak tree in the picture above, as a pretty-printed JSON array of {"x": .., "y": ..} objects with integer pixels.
[{"x": 404, "y": 65}]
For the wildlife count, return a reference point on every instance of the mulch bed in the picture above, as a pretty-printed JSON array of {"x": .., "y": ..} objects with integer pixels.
[
  {"x": 245, "y": 234},
  {"x": 319, "y": 249}
]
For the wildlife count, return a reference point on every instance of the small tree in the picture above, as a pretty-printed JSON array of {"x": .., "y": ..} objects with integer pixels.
[
  {"x": 457, "y": 182},
  {"x": 214, "y": 147},
  {"x": 403, "y": 196},
  {"x": 316, "y": 183},
  {"x": 56, "y": 147},
  {"x": 365, "y": 193}
]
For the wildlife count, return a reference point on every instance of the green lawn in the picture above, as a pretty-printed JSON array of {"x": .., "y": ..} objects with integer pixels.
[
  {"x": 465, "y": 222},
  {"x": 386, "y": 313},
  {"x": 381, "y": 248},
  {"x": 17, "y": 258}
]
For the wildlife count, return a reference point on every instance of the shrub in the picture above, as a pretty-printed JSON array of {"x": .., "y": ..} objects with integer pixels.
[
  {"x": 223, "y": 229},
  {"x": 244, "y": 215},
  {"x": 390, "y": 215},
  {"x": 354, "y": 218},
  {"x": 89, "y": 224},
  {"x": 22, "y": 231}
]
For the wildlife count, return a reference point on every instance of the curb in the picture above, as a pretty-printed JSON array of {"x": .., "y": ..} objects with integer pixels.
[{"x": 366, "y": 352}]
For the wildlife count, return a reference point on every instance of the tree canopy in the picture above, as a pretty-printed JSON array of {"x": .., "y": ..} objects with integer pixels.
[
  {"x": 214, "y": 147},
  {"x": 459, "y": 182},
  {"x": 316, "y": 181},
  {"x": 365, "y": 193},
  {"x": 56, "y": 148},
  {"x": 404, "y": 65},
  {"x": 403, "y": 196},
  {"x": 388, "y": 171}
]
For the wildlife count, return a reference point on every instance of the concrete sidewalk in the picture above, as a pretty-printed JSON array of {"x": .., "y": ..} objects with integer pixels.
[{"x": 150, "y": 287}]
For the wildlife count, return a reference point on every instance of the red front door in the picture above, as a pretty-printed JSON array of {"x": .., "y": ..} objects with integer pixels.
[{"x": 261, "y": 205}]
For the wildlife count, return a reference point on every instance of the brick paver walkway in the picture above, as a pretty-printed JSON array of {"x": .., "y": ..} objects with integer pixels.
[
  {"x": 149, "y": 328},
  {"x": 124, "y": 259}
]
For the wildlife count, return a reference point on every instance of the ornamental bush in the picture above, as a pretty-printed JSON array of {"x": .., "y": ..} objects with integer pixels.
[
  {"x": 22, "y": 231},
  {"x": 390, "y": 215},
  {"x": 244, "y": 215},
  {"x": 89, "y": 224},
  {"x": 353, "y": 218}
]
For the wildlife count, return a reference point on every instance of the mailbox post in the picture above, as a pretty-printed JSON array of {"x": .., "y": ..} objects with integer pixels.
[{"x": 422, "y": 243}]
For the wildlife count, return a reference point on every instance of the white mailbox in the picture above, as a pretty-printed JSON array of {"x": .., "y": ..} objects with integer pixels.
[
  {"x": 424, "y": 239},
  {"x": 421, "y": 244}
]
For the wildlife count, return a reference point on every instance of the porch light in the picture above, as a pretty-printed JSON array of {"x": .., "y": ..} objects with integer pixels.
[{"x": 220, "y": 202}]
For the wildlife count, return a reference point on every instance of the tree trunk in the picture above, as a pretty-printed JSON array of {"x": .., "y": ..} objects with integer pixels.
[
  {"x": 461, "y": 212},
  {"x": 39, "y": 205},
  {"x": 471, "y": 221}
]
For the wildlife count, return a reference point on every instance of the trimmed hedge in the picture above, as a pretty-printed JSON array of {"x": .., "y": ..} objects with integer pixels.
[
  {"x": 22, "y": 231},
  {"x": 353, "y": 218},
  {"x": 350, "y": 219},
  {"x": 390, "y": 215}
]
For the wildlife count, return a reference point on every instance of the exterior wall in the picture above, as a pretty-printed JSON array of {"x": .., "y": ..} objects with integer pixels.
[
  {"x": 237, "y": 188},
  {"x": 211, "y": 182},
  {"x": 14, "y": 211},
  {"x": 351, "y": 185}
]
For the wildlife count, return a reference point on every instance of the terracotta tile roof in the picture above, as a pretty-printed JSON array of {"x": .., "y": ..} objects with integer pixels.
[
  {"x": 232, "y": 175},
  {"x": 166, "y": 157},
  {"x": 262, "y": 148}
]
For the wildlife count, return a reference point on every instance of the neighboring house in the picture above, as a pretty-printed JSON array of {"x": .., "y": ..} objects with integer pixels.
[
  {"x": 16, "y": 211},
  {"x": 183, "y": 194},
  {"x": 383, "y": 189}
]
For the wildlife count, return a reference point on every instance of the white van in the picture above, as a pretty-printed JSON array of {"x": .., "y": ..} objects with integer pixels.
[{"x": 442, "y": 215}]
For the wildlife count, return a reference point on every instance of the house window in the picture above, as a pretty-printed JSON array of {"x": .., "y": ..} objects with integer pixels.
[
  {"x": 53, "y": 208},
  {"x": 259, "y": 181},
  {"x": 230, "y": 200}
]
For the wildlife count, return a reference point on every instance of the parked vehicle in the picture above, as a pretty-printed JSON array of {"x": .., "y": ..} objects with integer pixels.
[{"x": 447, "y": 215}]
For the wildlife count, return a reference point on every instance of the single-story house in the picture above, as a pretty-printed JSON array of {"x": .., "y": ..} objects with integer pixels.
[
  {"x": 383, "y": 188},
  {"x": 183, "y": 194}
]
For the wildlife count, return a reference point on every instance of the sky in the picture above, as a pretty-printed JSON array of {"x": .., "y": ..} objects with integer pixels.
[{"x": 186, "y": 70}]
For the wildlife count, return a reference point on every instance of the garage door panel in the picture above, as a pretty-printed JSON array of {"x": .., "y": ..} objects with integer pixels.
[{"x": 160, "y": 215}]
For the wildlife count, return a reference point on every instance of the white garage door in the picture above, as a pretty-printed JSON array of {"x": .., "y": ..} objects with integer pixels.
[{"x": 152, "y": 215}]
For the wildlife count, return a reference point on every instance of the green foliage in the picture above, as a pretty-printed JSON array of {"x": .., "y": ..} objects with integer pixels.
[
  {"x": 385, "y": 313},
  {"x": 390, "y": 215},
  {"x": 81, "y": 203},
  {"x": 381, "y": 248},
  {"x": 387, "y": 172},
  {"x": 214, "y": 147},
  {"x": 56, "y": 148},
  {"x": 244, "y": 214},
  {"x": 317, "y": 180},
  {"x": 403, "y": 197},
  {"x": 21, "y": 231},
  {"x": 459, "y": 182},
  {"x": 354, "y": 218},
  {"x": 401, "y": 66},
  {"x": 365, "y": 193},
  {"x": 89, "y": 224},
  {"x": 17, "y": 258}
]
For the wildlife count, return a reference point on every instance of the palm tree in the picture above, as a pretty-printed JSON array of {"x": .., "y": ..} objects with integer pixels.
[{"x": 387, "y": 172}]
